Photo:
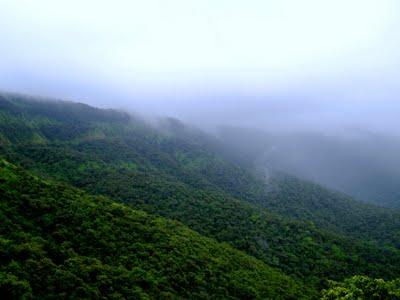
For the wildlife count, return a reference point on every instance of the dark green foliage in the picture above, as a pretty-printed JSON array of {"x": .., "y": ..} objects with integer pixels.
[
  {"x": 183, "y": 178},
  {"x": 334, "y": 211},
  {"x": 285, "y": 195},
  {"x": 299, "y": 249},
  {"x": 57, "y": 242},
  {"x": 293, "y": 197},
  {"x": 363, "y": 288}
]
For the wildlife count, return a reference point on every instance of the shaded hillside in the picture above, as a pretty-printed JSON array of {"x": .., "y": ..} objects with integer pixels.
[
  {"x": 335, "y": 211},
  {"x": 285, "y": 194},
  {"x": 182, "y": 179},
  {"x": 62, "y": 136},
  {"x": 58, "y": 242}
]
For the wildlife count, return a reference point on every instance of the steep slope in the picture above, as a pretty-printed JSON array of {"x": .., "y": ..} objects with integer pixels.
[
  {"x": 56, "y": 241},
  {"x": 288, "y": 195},
  {"x": 183, "y": 180},
  {"x": 62, "y": 135},
  {"x": 335, "y": 211}
]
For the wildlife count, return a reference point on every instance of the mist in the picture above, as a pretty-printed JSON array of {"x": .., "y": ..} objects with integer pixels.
[
  {"x": 278, "y": 64},
  {"x": 291, "y": 70}
]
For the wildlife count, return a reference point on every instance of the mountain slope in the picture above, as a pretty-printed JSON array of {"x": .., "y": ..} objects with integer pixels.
[
  {"x": 183, "y": 180},
  {"x": 290, "y": 196},
  {"x": 56, "y": 241},
  {"x": 335, "y": 211},
  {"x": 63, "y": 136}
]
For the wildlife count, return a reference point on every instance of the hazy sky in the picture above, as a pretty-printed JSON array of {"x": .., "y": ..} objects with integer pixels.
[{"x": 250, "y": 62}]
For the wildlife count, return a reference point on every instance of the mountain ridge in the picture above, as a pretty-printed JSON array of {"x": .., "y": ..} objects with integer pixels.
[{"x": 184, "y": 178}]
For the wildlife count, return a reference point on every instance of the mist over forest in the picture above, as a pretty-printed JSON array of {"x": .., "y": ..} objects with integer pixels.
[{"x": 200, "y": 149}]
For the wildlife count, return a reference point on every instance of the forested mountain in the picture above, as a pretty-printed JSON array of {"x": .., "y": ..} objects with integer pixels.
[
  {"x": 300, "y": 228},
  {"x": 282, "y": 193},
  {"x": 58, "y": 242}
]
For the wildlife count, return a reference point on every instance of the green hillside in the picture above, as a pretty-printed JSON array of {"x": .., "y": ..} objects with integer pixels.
[
  {"x": 331, "y": 210},
  {"x": 284, "y": 194},
  {"x": 181, "y": 175},
  {"x": 58, "y": 242},
  {"x": 183, "y": 155}
]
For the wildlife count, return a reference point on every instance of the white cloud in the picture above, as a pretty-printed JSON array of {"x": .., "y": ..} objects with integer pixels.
[
  {"x": 201, "y": 50},
  {"x": 188, "y": 36}
]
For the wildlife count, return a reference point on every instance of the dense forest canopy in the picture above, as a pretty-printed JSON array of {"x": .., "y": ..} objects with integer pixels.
[
  {"x": 95, "y": 247},
  {"x": 101, "y": 196}
]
